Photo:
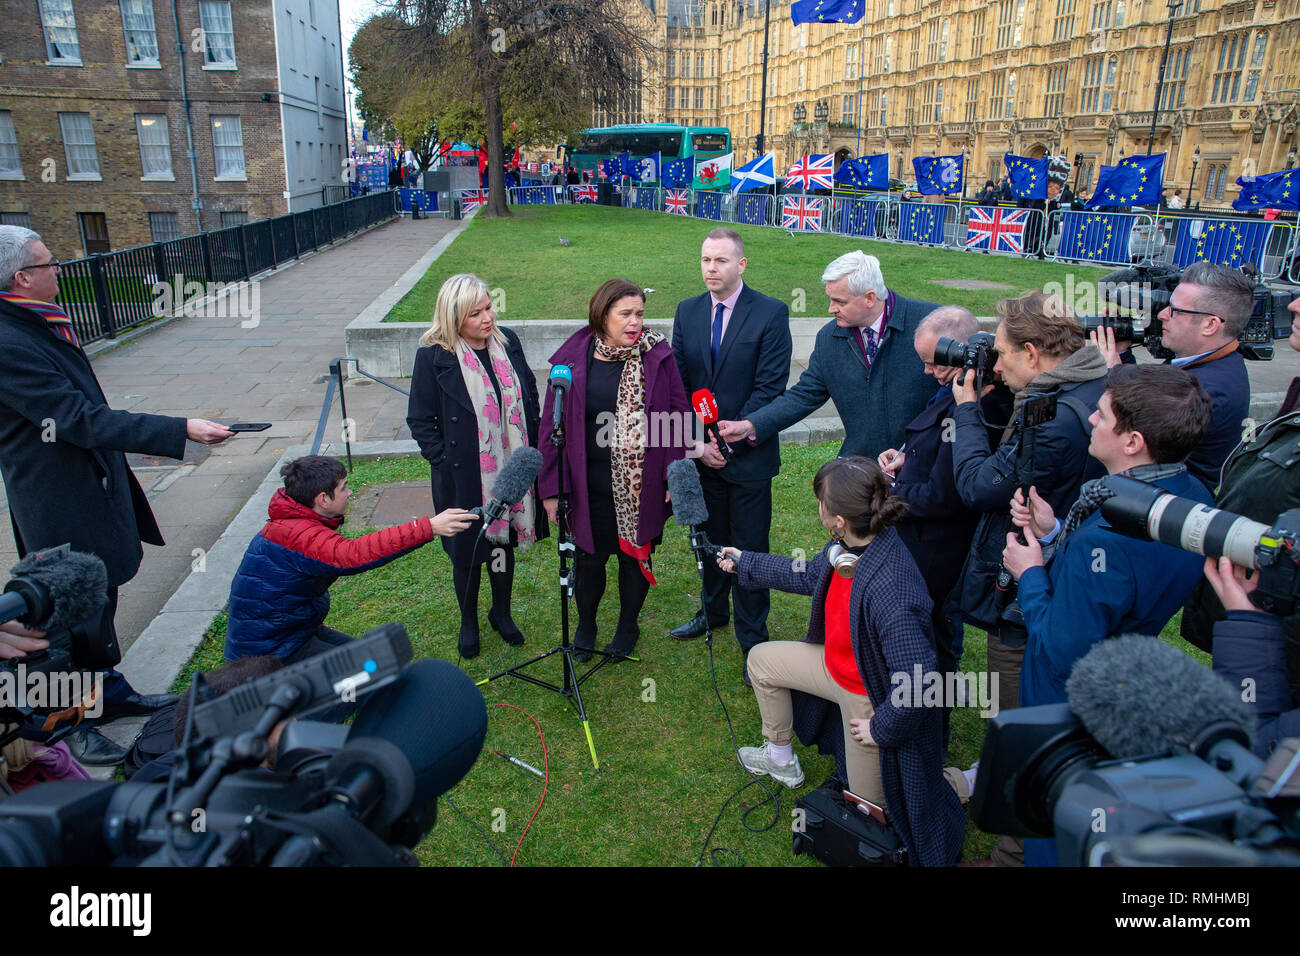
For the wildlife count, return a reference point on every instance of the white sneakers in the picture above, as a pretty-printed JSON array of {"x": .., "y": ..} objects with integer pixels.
[{"x": 758, "y": 761}]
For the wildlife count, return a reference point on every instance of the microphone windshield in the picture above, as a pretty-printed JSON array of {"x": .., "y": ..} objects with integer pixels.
[
  {"x": 1137, "y": 695},
  {"x": 705, "y": 405},
  {"x": 688, "y": 497},
  {"x": 517, "y": 476},
  {"x": 76, "y": 582},
  {"x": 561, "y": 377}
]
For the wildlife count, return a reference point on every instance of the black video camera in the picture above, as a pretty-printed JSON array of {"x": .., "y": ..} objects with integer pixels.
[
  {"x": 1145, "y": 512},
  {"x": 978, "y": 354},
  {"x": 1125, "y": 330}
]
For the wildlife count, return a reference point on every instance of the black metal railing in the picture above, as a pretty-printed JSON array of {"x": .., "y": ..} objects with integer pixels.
[{"x": 107, "y": 294}]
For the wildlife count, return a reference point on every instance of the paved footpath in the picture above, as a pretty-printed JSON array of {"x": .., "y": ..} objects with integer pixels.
[{"x": 213, "y": 368}]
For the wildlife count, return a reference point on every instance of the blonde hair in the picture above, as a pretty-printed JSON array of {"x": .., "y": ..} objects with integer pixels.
[{"x": 456, "y": 299}]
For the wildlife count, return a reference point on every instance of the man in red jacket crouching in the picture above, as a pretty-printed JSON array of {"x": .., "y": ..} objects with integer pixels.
[{"x": 280, "y": 595}]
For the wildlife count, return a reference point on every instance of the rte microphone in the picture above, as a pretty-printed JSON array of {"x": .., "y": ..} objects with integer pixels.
[
  {"x": 514, "y": 480},
  {"x": 689, "y": 509},
  {"x": 54, "y": 589},
  {"x": 706, "y": 408},
  {"x": 561, "y": 381}
]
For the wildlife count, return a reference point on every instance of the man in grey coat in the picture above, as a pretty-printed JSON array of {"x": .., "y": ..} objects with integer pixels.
[{"x": 863, "y": 361}]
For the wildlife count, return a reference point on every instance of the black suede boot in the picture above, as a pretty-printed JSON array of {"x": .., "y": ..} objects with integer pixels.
[
  {"x": 467, "y": 584},
  {"x": 502, "y": 583}
]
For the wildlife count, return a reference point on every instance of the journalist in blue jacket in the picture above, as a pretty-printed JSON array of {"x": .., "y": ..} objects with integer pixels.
[{"x": 1097, "y": 583}]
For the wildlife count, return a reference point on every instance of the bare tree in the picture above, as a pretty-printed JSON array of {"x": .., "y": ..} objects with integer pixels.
[{"x": 537, "y": 54}]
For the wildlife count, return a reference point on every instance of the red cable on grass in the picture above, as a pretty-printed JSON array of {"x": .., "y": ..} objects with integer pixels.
[{"x": 546, "y": 777}]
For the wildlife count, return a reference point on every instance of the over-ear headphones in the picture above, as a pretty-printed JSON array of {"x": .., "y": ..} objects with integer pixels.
[{"x": 843, "y": 558}]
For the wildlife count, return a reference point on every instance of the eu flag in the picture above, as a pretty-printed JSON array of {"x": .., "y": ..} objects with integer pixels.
[
  {"x": 858, "y": 217},
  {"x": 1136, "y": 181},
  {"x": 1223, "y": 242},
  {"x": 645, "y": 198},
  {"x": 938, "y": 174},
  {"x": 708, "y": 205},
  {"x": 827, "y": 11},
  {"x": 1098, "y": 236},
  {"x": 1028, "y": 177},
  {"x": 866, "y": 172},
  {"x": 679, "y": 173},
  {"x": 921, "y": 222},
  {"x": 751, "y": 209},
  {"x": 625, "y": 165},
  {"x": 1270, "y": 191}
]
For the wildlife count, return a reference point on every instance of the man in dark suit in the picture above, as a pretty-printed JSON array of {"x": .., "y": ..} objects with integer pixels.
[
  {"x": 735, "y": 342},
  {"x": 1206, "y": 313},
  {"x": 62, "y": 457},
  {"x": 862, "y": 361}
]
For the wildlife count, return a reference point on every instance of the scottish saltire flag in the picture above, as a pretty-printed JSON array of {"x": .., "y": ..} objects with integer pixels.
[
  {"x": 802, "y": 213},
  {"x": 679, "y": 173},
  {"x": 827, "y": 11},
  {"x": 472, "y": 199},
  {"x": 1224, "y": 243},
  {"x": 1100, "y": 236},
  {"x": 751, "y": 209},
  {"x": 677, "y": 201},
  {"x": 647, "y": 168},
  {"x": 1270, "y": 191},
  {"x": 583, "y": 193},
  {"x": 867, "y": 172},
  {"x": 713, "y": 173},
  {"x": 997, "y": 230},
  {"x": 1136, "y": 181},
  {"x": 812, "y": 171},
  {"x": 708, "y": 205},
  {"x": 858, "y": 217},
  {"x": 1027, "y": 177},
  {"x": 938, "y": 174},
  {"x": 755, "y": 174},
  {"x": 533, "y": 195},
  {"x": 921, "y": 222},
  {"x": 645, "y": 197}
]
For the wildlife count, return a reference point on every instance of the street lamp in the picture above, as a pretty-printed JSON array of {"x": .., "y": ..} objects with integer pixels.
[
  {"x": 1160, "y": 79},
  {"x": 800, "y": 113},
  {"x": 1078, "y": 171},
  {"x": 762, "y": 96},
  {"x": 1290, "y": 158},
  {"x": 1196, "y": 160},
  {"x": 821, "y": 111}
]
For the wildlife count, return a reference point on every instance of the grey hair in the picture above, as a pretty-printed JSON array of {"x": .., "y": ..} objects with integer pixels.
[
  {"x": 1230, "y": 294},
  {"x": 862, "y": 271},
  {"x": 952, "y": 321},
  {"x": 13, "y": 252}
]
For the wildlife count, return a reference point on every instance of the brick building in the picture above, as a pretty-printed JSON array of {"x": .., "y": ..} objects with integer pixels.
[{"x": 98, "y": 108}]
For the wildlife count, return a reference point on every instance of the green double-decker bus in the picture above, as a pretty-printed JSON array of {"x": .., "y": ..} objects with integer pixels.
[{"x": 670, "y": 140}]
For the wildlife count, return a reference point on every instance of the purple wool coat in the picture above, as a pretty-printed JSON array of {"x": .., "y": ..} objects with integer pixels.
[{"x": 664, "y": 393}]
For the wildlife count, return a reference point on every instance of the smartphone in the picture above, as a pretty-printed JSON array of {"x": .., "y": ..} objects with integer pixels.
[
  {"x": 867, "y": 807},
  {"x": 249, "y": 426}
]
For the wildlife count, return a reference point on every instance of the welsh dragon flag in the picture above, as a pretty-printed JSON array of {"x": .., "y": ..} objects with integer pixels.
[{"x": 713, "y": 173}]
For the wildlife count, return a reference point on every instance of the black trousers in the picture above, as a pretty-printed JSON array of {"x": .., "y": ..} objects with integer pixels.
[
  {"x": 589, "y": 588},
  {"x": 740, "y": 515},
  {"x": 501, "y": 574}
]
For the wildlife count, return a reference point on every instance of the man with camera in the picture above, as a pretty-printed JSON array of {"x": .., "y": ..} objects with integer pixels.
[
  {"x": 62, "y": 455},
  {"x": 862, "y": 361},
  {"x": 1207, "y": 311},
  {"x": 1041, "y": 351}
]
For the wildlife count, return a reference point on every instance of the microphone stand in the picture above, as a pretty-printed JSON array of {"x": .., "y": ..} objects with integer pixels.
[{"x": 571, "y": 681}]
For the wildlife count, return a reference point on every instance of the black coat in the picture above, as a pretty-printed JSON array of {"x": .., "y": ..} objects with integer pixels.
[
  {"x": 753, "y": 366},
  {"x": 62, "y": 450},
  {"x": 444, "y": 423},
  {"x": 1226, "y": 382}
]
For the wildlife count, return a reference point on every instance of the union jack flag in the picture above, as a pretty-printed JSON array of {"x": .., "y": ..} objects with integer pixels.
[
  {"x": 472, "y": 199},
  {"x": 677, "y": 201},
  {"x": 995, "y": 229},
  {"x": 813, "y": 171},
  {"x": 799, "y": 212},
  {"x": 584, "y": 193}
]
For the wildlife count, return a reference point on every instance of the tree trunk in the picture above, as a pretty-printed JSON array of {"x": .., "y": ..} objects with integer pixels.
[{"x": 496, "y": 149}]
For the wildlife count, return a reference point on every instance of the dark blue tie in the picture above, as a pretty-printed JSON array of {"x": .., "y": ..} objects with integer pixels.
[
  {"x": 872, "y": 345},
  {"x": 715, "y": 340}
]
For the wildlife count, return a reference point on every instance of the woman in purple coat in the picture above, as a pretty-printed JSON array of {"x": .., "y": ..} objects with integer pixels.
[{"x": 625, "y": 419}]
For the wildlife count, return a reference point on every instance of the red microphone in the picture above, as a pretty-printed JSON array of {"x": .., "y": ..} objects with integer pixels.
[{"x": 706, "y": 408}]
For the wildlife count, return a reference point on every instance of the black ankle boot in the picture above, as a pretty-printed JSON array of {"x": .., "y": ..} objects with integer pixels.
[
  {"x": 467, "y": 642},
  {"x": 621, "y": 646},
  {"x": 504, "y": 625},
  {"x": 584, "y": 642}
]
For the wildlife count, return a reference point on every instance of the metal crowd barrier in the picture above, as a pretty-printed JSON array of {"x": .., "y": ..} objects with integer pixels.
[
  {"x": 1267, "y": 245},
  {"x": 536, "y": 195},
  {"x": 1107, "y": 238}
]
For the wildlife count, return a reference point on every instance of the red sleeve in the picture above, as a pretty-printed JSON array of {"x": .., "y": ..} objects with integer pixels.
[{"x": 356, "y": 554}]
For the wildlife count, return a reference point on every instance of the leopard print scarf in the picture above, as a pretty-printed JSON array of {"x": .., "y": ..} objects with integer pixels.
[{"x": 627, "y": 456}]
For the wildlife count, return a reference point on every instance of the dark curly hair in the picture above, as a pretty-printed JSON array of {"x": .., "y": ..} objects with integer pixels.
[{"x": 856, "y": 489}]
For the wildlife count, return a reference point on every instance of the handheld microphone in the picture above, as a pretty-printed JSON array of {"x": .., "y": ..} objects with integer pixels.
[
  {"x": 514, "y": 480},
  {"x": 54, "y": 589},
  {"x": 561, "y": 381},
  {"x": 706, "y": 408},
  {"x": 689, "y": 509}
]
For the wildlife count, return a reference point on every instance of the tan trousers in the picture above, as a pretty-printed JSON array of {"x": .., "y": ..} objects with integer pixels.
[
  {"x": 778, "y": 667},
  {"x": 1004, "y": 665}
]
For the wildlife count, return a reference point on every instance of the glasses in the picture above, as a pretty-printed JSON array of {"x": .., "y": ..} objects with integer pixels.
[
  {"x": 52, "y": 264},
  {"x": 1173, "y": 308}
]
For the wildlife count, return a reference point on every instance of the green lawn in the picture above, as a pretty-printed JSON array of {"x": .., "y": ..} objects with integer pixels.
[
  {"x": 667, "y": 762},
  {"x": 542, "y": 279}
]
